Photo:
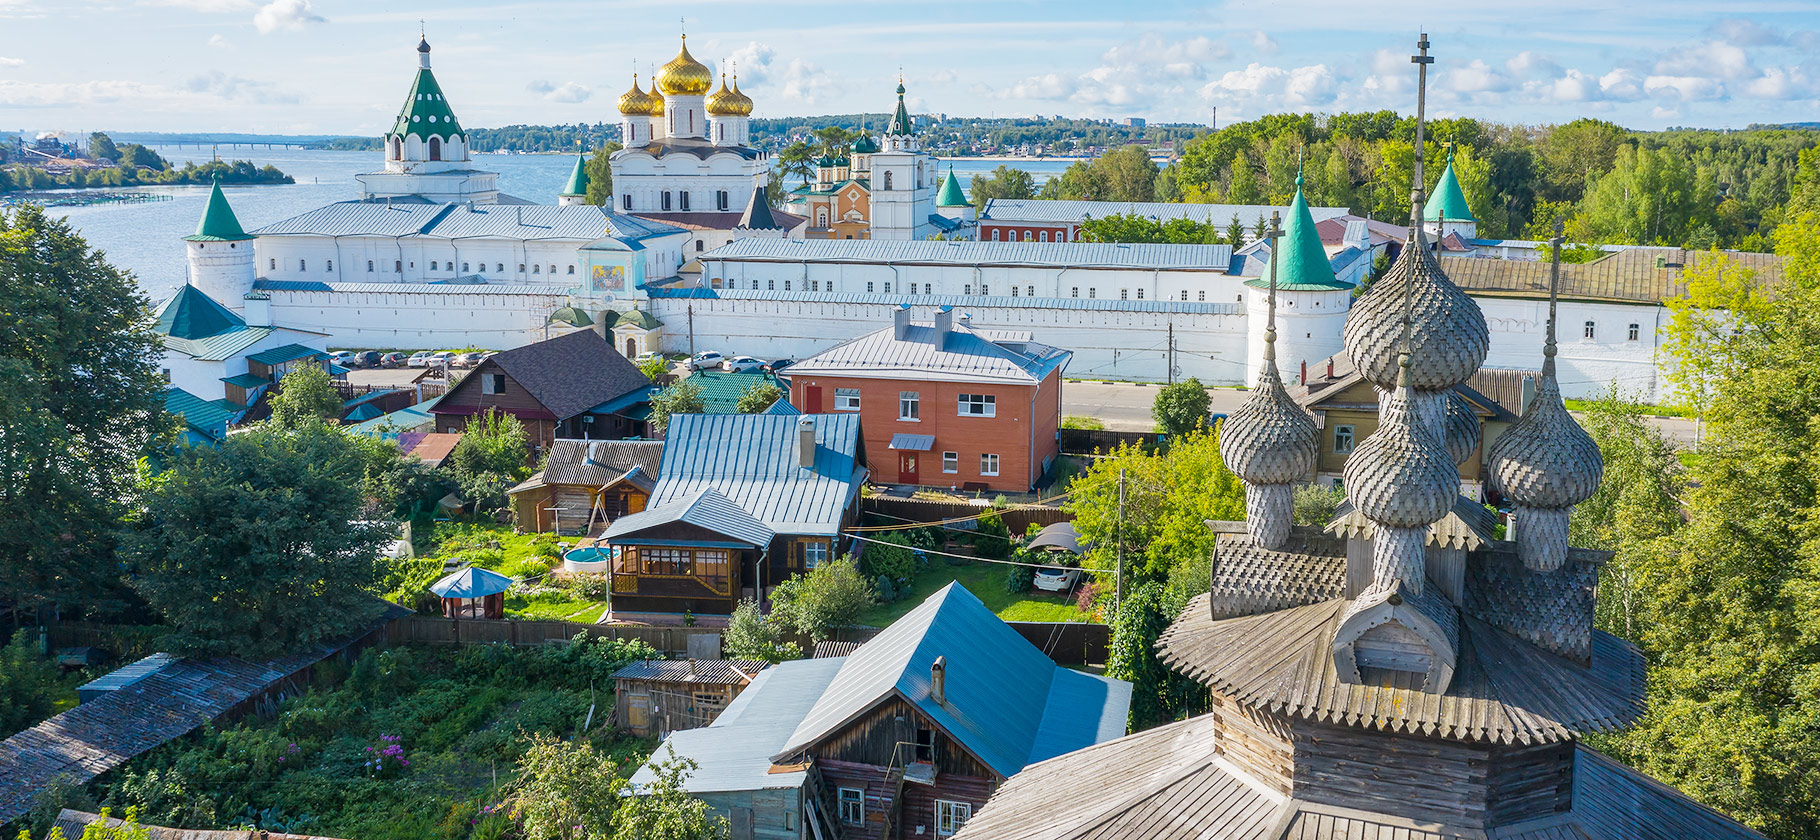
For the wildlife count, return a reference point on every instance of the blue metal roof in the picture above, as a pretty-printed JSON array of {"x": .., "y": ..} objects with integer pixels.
[
  {"x": 912, "y": 443},
  {"x": 403, "y": 419},
  {"x": 705, "y": 509},
  {"x": 1113, "y": 255},
  {"x": 623, "y": 401},
  {"x": 734, "y": 753},
  {"x": 471, "y": 582},
  {"x": 962, "y": 354},
  {"x": 576, "y": 222},
  {"x": 550, "y": 289},
  {"x": 209, "y": 418},
  {"x": 286, "y": 353},
  {"x": 752, "y": 460},
  {"x": 1007, "y": 703},
  {"x": 782, "y": 408}
]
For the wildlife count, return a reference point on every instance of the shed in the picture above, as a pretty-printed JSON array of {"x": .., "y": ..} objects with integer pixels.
[
  {"x": 655, "y": 697},
  {"x": 473, "y": 592}
]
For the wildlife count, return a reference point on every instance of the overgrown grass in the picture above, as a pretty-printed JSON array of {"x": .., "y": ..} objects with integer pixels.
[
  {"x": 522, "y": 556},
  {"x": 1653, "y": 410},
  {"x": 987, "y": 582}
]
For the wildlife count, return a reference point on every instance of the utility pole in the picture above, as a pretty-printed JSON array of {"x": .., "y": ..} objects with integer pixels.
[
  {"x": 1171, "y": 354},
  {"x": 1118, "y": 572},
  {"x": 691, "y": 331}
]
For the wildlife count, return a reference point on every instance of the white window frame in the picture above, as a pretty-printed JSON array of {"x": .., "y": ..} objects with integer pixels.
[
  {"x": 986, "y": 405},
  {"x": 951, "y": 463},
  {"x": 1636, "y": 331},
  {"x": 988, "y": 463},
  {"x": 1590, "y": 331},
  {"x": 846, "y": 399},
  {"x": 1351, "y": 438},
  {"x": 489, "y": 383},
  {"x": 814, "y": 554},
  {"x": 855, "y": 797},
  {"x": 910, "y": 406},
  {"x": 950, "y": 816}
]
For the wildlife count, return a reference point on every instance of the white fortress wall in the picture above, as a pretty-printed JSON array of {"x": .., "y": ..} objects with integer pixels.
[
  {"x": 416, "y": 317},
  {"x": 1588, "y": 366}
]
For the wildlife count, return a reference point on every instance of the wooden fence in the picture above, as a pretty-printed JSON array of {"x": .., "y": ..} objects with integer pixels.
[
  {"x": 698, "y": 642},
  {"x": 1068, "y": 643},
  {"x": 932, "y": 510},
  {"x": 1102, "y": 441}
]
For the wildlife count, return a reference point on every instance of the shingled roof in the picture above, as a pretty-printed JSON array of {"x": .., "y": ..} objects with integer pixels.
[
  {"x": 566, "y": 375},
  {"x": 1633, "y": 275}
]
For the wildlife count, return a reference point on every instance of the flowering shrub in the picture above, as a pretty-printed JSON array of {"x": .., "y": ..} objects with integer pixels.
[
  {"x": 1089, "y": 593},
  {"x": 387, "y": 757}
]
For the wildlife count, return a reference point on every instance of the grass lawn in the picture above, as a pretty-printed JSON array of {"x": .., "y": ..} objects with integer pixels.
[
  {"x": 987, "y": 582},
  {"x": 519, "y": 555},
  {"x": 554, "y": 605}
]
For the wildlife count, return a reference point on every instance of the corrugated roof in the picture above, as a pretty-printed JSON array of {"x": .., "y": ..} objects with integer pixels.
[
  {"x": 1006, "y": 703},
  {"x": 705, "y": 508},
  {"x": 962, "y": 354},
  {"x": 547, "y": 289},
  {"x": 704, "y": 671},
  {"x": 912, "y": 443},
  {"x": 1143, "y": 256},
  {"x": 1627, "y": 276},
  {"x": 191, "y": 314},
  {"x": 593, "y": 463},
  {"x": 752, "y": 460},
  {"x": 721, "y": 390},
  {"x": 959, "y": 302},
  {"x": 734, "y": 752},
  {"x": 286, "y": 353},
  {"x": 526, "y": 222},
  {"x": 783, "y": 408},
  {"x": 1060, "y": 212},
  {"x": 208, "y": 417}
]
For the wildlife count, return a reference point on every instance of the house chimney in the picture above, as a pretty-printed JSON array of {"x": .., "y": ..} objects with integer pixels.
[
  {"x": 944, "y": 321},
  {"x": 938, "y": 679},
  {"x": 966, "y": 321},
  {"x": 805, "y": 443},
  {"x": 1329, "y": 367},
  {"x": 1304, "y": 371},
  {"x": 900, "y": 322},
  {"x": 257, "y": 309}
]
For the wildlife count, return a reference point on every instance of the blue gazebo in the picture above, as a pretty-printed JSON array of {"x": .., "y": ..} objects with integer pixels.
[{"x": 473, "y": 592}]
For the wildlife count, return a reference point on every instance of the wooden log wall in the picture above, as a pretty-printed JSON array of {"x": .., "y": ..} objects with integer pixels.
[
  {"x": 1530, "y": 782},
  {"x": 1256, "y": 741},
  {"x": 873, "y": 740},
  {"x": 1425, "y": 779}
]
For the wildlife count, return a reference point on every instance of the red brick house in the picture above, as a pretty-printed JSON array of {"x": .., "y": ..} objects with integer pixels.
[
  {"x": 574, "y": 386},
  {"x": 943, "y": 403}
]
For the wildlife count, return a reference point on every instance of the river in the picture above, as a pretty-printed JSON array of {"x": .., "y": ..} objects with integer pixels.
[{"x": 145, "y": 238}]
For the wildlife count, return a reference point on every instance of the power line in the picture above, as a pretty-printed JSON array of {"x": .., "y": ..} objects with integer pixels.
[{"x": 980, "y": 559}]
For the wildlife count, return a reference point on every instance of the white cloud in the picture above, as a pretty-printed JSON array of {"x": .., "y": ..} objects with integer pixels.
[
  {"x": 79, "y": 93},
  {"x": 285, "y": 14},
  {"x": 569, "y": 92},
  {"x": 1263, "y": 43},
  {"x": 1046, "y": 86},
  {"x": 1477, "y": 77},
  {"x": 540, "y": 86},
  {"x": 1266, "y": 86},
  {"x": 1662, "y": 113},
  {"x": 1528, "y": 65},
  {"x": 225, "y": 86},
  {"x": 941, "y": 77},
  {"x": 1621, "y": 83},
  {"x": 208, "y": 6},
  {"x": 796, "y": 80},
  {"x": 11, "y": 62},
  {"x": 1684, "y": 88},
  {"x": 217, "y": 41},
  {"x": 1744, "y": 33}
]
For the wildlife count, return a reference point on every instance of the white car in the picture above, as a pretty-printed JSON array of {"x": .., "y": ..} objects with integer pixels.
[
  {"x": 341, "y": 357},
  {"x": 706, "y": 360},
  {"x": 741, "y": 364},
  {"x": 420, "y": 358},
  {"x": 444, "y": 359},
  {"x": 646, "y": 357},
  {"x": 1055, "y": 580}
]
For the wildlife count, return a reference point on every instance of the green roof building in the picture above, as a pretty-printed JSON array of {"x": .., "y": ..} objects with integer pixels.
[
  {"x": 576, "y": 192},
  {"x": 952, "y": 195},
  {"x": 1446, "y": 211},
  {"x": 426, "y": 151},
  {"x": 219, "y": 224},
  {"x": 1302, "y": 265}
]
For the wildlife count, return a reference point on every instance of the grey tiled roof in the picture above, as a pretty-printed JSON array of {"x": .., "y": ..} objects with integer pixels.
[
  {"x": 567, "y": 375},
  {"x": 703, "y": 671},
  {"x": 568, "y": 459},
  {"x": 1060, "y": 211},
  {"x": 962, "y": 354}
]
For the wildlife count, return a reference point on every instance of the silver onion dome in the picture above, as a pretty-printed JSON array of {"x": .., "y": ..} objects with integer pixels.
[
  {"x": 1447, "y": 337},
  {"x": 1462, "y": 433},
  {"x": 1401, "y": 475},
  {"x": 1270, "y": 439},
  {"x": 1546, "y": 460}
]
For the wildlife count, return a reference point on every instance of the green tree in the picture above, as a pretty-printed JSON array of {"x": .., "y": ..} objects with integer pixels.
[
  {"x": 565, "y": 791},
  {"x": 490, "y": 459},
  {"x": 654, "y": 367},
  {"x": 600, "y": 174},
  {"x": 306, "y": 394},
  {"x": 682, "y": 398},
  {"x": 1181, "y": 408},
  {"x": 757, "y": 397},
  {"x": 797, "y": 159},
  {"x": 28, "y": 683},
  {"x": 79, "y": 371},
  {"x": 1636, "y": 507},
  {"x": 817, "y": 605},
  {"x": 750, "y": 635},
  {"x": 1572, "y": 155},
  {"x": 1168, "y": 497},
  {"x": 1004, "y": 182},
  {"x": 254, "y": 547},
  {"x": 1702, "y": 333},
  {"x": 664, "y": 810},
  {"x": 1158, "y": 694},
  {"x": 101, "y": 147}
]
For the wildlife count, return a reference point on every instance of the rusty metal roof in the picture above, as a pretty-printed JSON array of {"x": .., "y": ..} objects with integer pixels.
[
  {"x": 700, "y": 671},
  {"x": 1633, "y": 275}
]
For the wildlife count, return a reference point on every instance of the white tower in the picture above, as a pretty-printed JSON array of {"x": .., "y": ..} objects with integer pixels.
[
  {"x": 635, "y": 107},
  {"x": 903, "y": 182},
  {"x": 728, "y": 112},
  {"x": 426, "y": 150},
  {"x": 1311, "y": 303},
  {"x": 221, "y": 254}
]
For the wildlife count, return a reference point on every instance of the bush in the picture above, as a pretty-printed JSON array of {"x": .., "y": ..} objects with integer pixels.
[
  {"x": 822, "y": 602},
  {"x": 408, "y": 581},
  {"x": 993, "y": 539},
  {"x": 1078, "y": 421},
  {"x": 1315, "y": 505},
  {"x": 889, "y": 558},
  {"x": 1018, "y": 579},
  {"x": 28, "y": 684},
  {"x": 590, "y": 585},
  {"x": 528, "y": 569},
  {"x": 750, "y": 635}
]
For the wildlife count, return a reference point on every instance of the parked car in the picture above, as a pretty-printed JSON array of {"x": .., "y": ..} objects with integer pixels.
[
  {"x": 341, "y": 357},
  {"x": 778, "y": 364},
  {"x": 393, "y": 360},
  {"x": 706, "y": 360},
  {"x": 741, "y": 364},
  {"x": 1055, "y": 580},
  {"x": 466, "y": 360},
  {"x": 444, "y": 359},
  {"x": 369, "y": 359},
  {"x": 646, "y": 357},
  {"x": 420, "y": 358}
]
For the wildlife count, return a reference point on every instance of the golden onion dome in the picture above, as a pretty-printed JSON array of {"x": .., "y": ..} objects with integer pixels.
[
  {"x": 721, "y": 102},
  {"x": 684, "y": 76},
  {"x": 657, "y": 100},
  {"x": 740, "y": 99},
  {"x": 635, "y": 102}
]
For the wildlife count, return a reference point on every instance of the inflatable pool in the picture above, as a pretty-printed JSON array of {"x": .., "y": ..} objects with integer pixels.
[{"x": 595, "y": 560}]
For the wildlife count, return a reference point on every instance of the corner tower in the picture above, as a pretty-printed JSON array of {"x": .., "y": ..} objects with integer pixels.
[
  {"x": 1446, "y": 211},
  {"x": 427, "y": 153},
  {"x": 1311, "y": 304},
  {"x": 221, "y": 254}
]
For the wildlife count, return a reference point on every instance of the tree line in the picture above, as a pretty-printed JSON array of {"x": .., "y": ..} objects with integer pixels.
[{"x": 135, "y": 166}]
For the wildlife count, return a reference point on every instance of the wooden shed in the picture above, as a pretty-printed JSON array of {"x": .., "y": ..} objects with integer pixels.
[{"x": 657, "y": 697}]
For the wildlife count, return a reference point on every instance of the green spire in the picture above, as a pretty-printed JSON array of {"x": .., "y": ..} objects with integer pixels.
[
  {"x": 578, "y": 180},
  {"x": 218, "y": 222},
  {"x": 1303, "y": 262},
  {"x": 193, "y": 315},
  {"x": 1446, "y": 203},
  {"x": 951, "y": 195},
  {"x": 900, "y": 121},
  {"x": 425, "y": 111}
]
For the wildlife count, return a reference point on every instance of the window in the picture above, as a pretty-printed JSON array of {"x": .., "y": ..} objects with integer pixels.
[
  {"x": 846, "y": 399},
  {"x": 887, "y": 287},
  {"x": 978, "y": 405},
  {"x": 398, "y": 266},
  {"x": 1202, "y": 297},
  {"x": 1124, "y": 294},
  {"x": 1028, "y": 236},
  {"x": 984, "y": 290},
  {"x": 887, "y": 180},
  {"x": 814, "y": 554},
  {"x": 988, "y": 464},
  {"x": 369, "y": 266},
  {"x": 951, "y": 462},
  {"x": 1074, "y": 291},
  {"x": 1140, "y": 294},
  {"x": 432, "y": 265},
  {"x": 1342, "y": 439},
  {"x": 815, "y": 285},
  {"x": 328, "y": 265},
  {"x": 1014, "y": 291},
  {"x": 771, "y": 285},
  {"x": 968, "y": 289},
  {"x": 1092, "y": 292},
  {"x": 536, "y": 269},
  {"x": 493, "y": 383},
  {"x": 1635, "y": 331},
  {"x": 925, "y": 745},
  {"x": 499, "y": 267},
  {"x": 909, "y": 405},
  {"x": 995, "y": 234},
  {"x": 626, "y": 201},
  {"x": 786, "y": 285},
  {"x": 274, "y": 264},
  {"x": 683, "y": 200},
  {"x": 868, "y": 287},
  {"x": 950, "y": 816},
  {"x": 300, "y": 265},
  {"x": 552, "y": 268},
  {"x": 853, "y": 806},
  {"x": 1045, "y": 236},
  {"x": 926, "y": 289},
  {"x": 1029, "y": 291},
  {"x": 464, "y": 267},
  {"x": 521, "y": 268},
  {"x": 666, "y": 199},
  {"x": 1590, "y": 329},
  {"x": 720, "y": 199},
  {"x": 1184, "y": 295}
]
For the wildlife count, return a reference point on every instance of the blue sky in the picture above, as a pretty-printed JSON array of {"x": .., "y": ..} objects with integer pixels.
[{"x": 341, "y": 66}]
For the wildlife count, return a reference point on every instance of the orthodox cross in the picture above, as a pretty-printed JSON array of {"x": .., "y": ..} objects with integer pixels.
[{"x": 1421, "y": 60}]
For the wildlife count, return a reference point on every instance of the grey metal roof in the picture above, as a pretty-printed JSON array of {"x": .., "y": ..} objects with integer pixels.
[
  {"x": 270, "y": 285},
  {"x": 1057, "y": 211},
  {"x": 1058, "y": 254},
  {"x": 961, "y": 354},
  {"x": 703, "y": 671},
  {"x": 959, "y": 302},
  {"x": 1059, "y": 535},
  {"x": 734, "y": 752},
  {"x": 1007, "y": 703},
  {"x": 752, "y": 460},
  {"x": 575, "y": 222},
  {"x": 128, "y": 674},
  {"x": 912, "y": 443},
  {"x": 705, "y": 508},
  {"x": 595, "y": 462}
]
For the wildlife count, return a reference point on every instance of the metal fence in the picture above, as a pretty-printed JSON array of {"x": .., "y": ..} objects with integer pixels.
[{"x": 698, "y": 642}]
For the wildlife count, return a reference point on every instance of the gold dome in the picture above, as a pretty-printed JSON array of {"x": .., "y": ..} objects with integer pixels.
[
  {"x": 635, "y": 102},
  {"x": 721, "y": 103},
  {"x": 657, "y": 100},
  {"x": 684, "y": 76},
  {"x": 744, "y": 102}
]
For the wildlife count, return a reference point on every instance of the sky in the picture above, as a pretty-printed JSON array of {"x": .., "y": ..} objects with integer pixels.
[{"x": 343, "y": 66}]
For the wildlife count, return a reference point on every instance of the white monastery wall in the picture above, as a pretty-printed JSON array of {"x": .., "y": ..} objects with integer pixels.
[
  {"x": 1034, "y": 281},
  {"x": 1588, "y": 366},
  {"x": 419, "y": 320}
]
